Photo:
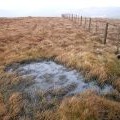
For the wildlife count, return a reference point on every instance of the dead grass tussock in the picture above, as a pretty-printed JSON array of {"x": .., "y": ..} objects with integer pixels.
[
  {"x": 87, "y": 63},
  {"x": 16, "y": 104},
  {"x": 47, "y": 115},
  {"x": 116, "y": 84},
  {"x": 3, "y": 109},
  {"x": 103, "y": 68},
  {"x": 88, "y": 106},
  {"x": 113, "y": 68}
]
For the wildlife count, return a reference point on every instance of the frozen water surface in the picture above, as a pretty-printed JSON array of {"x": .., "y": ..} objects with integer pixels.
[{"x": 49, "y": 75}]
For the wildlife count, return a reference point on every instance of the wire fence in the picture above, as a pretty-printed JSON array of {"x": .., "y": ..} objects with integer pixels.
[{"x": 107, "y": 31}]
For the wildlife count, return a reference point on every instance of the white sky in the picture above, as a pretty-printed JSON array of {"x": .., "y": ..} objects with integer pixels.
[{"x": 28, "y": 6}]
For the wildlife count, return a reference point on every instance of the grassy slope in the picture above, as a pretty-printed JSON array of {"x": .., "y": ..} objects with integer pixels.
[{"x": 33, "y": 38}]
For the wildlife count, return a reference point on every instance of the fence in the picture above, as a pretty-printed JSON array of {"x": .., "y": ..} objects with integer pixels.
[{"x": 107, "y": 31}]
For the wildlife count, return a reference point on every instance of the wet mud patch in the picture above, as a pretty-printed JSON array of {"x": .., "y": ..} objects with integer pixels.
[{"x": 54, "y": 80}]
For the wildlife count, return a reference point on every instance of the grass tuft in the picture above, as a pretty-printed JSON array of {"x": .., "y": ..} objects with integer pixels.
[{"x": 88, "y": 106}]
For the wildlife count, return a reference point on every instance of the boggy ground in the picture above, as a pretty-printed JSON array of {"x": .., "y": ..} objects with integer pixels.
[{"x": 28, "y": 39}]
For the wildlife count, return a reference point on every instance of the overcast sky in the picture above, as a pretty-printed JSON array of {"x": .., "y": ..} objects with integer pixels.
[{"x": 31, "y": 7}]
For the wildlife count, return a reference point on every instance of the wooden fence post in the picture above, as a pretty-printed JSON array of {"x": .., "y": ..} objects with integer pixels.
[
  {"x": 81, "y": 21},
  {"x": 76, "y": 18},
  {"x": 85, "y": 23},
  {"x": 90, "y": 24},
  {"x": 72, "y": 17},
  {"x": 106, "y": 32},
  {"x": 96, "y": 27}
]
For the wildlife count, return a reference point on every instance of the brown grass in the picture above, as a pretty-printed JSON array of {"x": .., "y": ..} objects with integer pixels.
[
  {"x": 3, "y": 109},
  {"x": 88, "y": 106},
  {"x": 35, "y": 38}
]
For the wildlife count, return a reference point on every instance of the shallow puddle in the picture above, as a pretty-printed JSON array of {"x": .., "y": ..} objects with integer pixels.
[{"x": 55, "y": 78}]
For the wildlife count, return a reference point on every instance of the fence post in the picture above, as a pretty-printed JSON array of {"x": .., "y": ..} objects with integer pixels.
[
  {"x": 96, "y": 27},
  {"x": 106, "y": 32},
  {"x": 81, "y": 21},
  {"x": 90, "y": 24},
  {"x": 76, "y": 18},
  {"x": 72, "y": 17},
  {"x": 85, "y": 23}
]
